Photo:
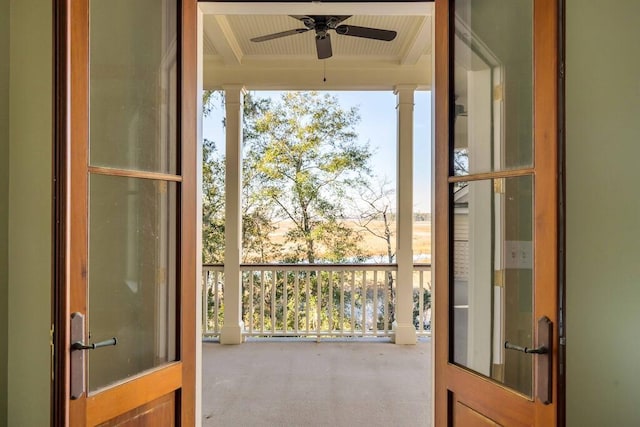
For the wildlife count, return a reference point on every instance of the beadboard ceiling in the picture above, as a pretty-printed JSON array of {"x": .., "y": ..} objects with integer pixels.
[{"x": 230, "y": 57}]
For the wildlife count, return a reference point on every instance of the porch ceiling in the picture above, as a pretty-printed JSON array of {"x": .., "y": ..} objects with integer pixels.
[{"x": 229, "y": 57}]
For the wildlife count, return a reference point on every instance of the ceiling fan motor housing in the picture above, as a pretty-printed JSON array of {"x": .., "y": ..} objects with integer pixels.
[{"x": 321, "y": 24}]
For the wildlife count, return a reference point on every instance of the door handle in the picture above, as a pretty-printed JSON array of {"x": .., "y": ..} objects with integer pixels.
[
  {"x": 78, "y": 345},
  {"x": 77, "y": 368},
  {"x": 77, "y": 382},
  {"x": 544, "y": 359},
  {"x": 539, "y": 350}
]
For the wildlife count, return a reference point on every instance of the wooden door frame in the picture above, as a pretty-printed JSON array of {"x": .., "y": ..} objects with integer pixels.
[
  {"x": 552, "y": 29},
  {"x": 60, "y": 256},
  {"x": 65, "y": 166}
]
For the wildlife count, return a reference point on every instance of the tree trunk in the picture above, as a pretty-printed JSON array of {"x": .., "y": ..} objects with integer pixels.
[
  {"x": 392, "y": 294},
  {"x": 311, "y": 258}
]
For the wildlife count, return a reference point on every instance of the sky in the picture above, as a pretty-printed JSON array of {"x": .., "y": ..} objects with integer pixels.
[{"x": 377, "y": 127}]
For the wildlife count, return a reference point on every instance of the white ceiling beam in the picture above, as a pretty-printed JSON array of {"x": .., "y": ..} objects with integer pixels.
[
  {"x": 310, "y": 75},
  {"x": 420, "y": 45},
  {"x": 318, "y": 8},
  {"x": 226, "y": 44}
]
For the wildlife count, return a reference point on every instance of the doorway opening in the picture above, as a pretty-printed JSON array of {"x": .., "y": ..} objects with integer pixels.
[{"x": 292, "y": 282}]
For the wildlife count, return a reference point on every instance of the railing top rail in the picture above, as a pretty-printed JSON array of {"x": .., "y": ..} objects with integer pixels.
[
  {"x": 317, "y": 267},
  {"x": 212, "y": 265}
]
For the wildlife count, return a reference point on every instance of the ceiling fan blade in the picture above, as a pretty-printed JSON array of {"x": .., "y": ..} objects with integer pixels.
[
  {"x": 280, "y": 34},
  {"x": 323, "y": 46},
  {"x": 366, "y": 32}
]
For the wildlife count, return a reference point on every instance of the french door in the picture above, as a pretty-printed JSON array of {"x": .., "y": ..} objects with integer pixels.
[
  {"x": 127, "y": 167},
  {"x": 496, "y": 244}
]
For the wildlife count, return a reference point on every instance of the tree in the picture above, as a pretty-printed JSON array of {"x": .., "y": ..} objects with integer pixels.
[
  {"x": 257, "y": 220},
  {"x": 212, "y": 204},
  {"x": 307, "y": 160},
  {"x": 377, "y": 205},
  {"x": 460, "y": 166}
]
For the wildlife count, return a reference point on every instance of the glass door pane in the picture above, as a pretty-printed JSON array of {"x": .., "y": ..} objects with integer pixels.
[
  {"x": 492, "y": 85},
  {"x": 133, "y": 186},
  {"x": 492, "y": 131},
  {"x": 493, "y": 278},
  {"x": 132, "y": 276},
  {"x": 133, "y": 91}
]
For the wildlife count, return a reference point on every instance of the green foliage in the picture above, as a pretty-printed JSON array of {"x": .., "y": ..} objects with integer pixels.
[
  {"x": 212, "y": 204},
  {"x": 256, "y": 216},
  {"x": 426, "y": 304},
  {"x": 306, "y": 156},
  {"x": 209, "y": 100},
  {"x": 301, "y": 160},
  {"x": 213, "y": 284}
]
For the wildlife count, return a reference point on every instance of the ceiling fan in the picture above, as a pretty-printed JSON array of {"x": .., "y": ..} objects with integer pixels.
[{"x": 321, "y": 24}]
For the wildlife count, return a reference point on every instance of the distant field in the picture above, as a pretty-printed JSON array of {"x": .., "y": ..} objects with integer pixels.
[{"x": 373, "y": 246}]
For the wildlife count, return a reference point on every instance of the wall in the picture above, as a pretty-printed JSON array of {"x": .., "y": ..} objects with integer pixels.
[
  {"x": 30, "y": 213},
  {"x": 4, "y": 201},
  {"x": 603, "y": 212}
]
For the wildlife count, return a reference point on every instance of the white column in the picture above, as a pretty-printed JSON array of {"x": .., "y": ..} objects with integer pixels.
[
  {"x": 231, "y": 332},
  {"x": 405, "y": 331}
]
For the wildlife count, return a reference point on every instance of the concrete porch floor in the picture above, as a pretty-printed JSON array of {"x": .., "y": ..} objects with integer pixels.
[{"x": 304, "y": 383}]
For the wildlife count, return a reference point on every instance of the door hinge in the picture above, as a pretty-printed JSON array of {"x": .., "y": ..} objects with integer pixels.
[
  {"x": 498, "y": 92},
  {"x": 498, "y": 185},
  {"x": 161, "y": 274},
  {"x": 498, "y": 278}
]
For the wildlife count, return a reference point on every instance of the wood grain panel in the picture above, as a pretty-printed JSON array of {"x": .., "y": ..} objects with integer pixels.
[
  {"x": 489, "y": 398},
  {"x": 440, "y": 245},
  {"x": 492, "y": 175},
  {"x": 463, "y": 416},
  {"x": 126, "y": 397},
  {"x": 191, "y": 163},
  {"x": 134, "y": 174},
  {"x": 78, "y": 212},
  {"x": 160, "y": 412},
  {"x": 547, "y": 184}
]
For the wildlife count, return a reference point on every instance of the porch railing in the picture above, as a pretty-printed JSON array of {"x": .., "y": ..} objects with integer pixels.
[{"x": 316, "y": 300}]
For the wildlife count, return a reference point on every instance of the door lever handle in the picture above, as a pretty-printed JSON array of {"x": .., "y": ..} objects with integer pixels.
[
  {"x": 78, "y": 368},
  {"x": 539, "y": 350},
  {"x": 544, "y": 361},
  {"x": 79, "y": 345}
]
